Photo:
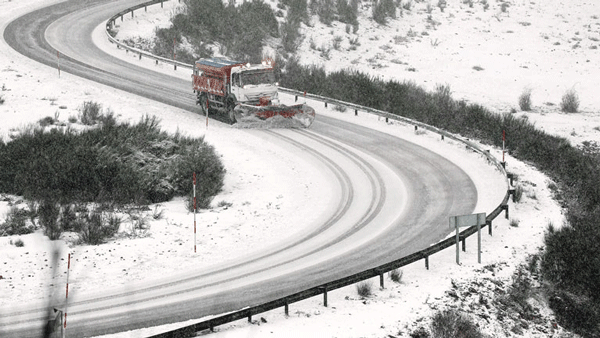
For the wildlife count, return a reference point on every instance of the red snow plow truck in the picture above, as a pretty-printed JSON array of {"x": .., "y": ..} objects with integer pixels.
[{"x": 246, "y": 94}]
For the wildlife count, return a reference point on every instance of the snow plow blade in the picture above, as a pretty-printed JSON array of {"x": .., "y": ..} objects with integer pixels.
[{"x": 297, "y": 116}]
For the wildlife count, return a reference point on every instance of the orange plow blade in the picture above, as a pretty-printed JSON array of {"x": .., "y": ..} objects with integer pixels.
[{"x": 297, "y": 116}]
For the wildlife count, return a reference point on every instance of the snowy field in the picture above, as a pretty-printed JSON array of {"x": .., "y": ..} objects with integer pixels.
[{"x": 467, "y": 37}]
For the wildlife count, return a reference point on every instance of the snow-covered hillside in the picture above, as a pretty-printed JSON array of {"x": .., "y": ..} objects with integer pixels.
[{"x": 512, "y": 48}]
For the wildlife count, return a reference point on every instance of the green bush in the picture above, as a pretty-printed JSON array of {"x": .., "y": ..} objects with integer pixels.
[
  {"x": 242, "y": 30},
  {"x": 16, "y": 223},
  {"x": 89, "y": 112},
  {"x": 117, "y": 163},
  {"x": 96, "y": 226},
  {"x": 49, "y": 212}
]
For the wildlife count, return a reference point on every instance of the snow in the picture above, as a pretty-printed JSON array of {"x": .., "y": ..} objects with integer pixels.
[{"x": 513, "y": 56}]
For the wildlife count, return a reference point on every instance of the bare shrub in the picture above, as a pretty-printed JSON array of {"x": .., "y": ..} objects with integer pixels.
[
  {"x": 364, "y": 289},
  {"x": 570, "y": 102},
  {"x": 514, "y": 222},
  {"x": 19, "y": 243},
  {"x": 525, "y": 100},
  {"x": 451, "y": 324}
]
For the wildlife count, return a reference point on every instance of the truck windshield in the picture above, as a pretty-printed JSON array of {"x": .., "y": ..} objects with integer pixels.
[{"x": 256, "y": 78}]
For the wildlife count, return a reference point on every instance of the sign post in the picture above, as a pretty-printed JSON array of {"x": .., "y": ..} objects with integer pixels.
[{"x": 468, "y": 221}]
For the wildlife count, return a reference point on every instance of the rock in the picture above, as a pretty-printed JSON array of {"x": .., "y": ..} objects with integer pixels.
[
  {"x": 262, "y": 319},
  {"x": 453, "y": 294}
]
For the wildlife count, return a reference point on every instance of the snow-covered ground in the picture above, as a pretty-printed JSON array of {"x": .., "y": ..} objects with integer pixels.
[{"x": 467, "y": 37}]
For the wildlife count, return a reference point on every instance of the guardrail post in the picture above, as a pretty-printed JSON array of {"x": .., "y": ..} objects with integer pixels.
[
  {"x": 386, "y": 120},
  {"x": 464, "y": 243},
  {"x": 325, "y": 104},
  {"x": 121, "y": 18},
  {"x": 161, "y": 4},
  {"x": 381, "y": 284},
  {"x": 156, "y": 62},
  {"x": 140, "y": 56},
  {"x": 287, "y": 308},
  {"x": 145, "y": 8},
  {"x": 489, "y": 224},
  {"x": 355, "y": 112},
  {"x": 324, "y": 288},
  {"x": 427, "y": 262},
  {"x": 416, "y": 127},
  {"x": 131, "y": 14},
  {"x": 442, "y": 137},
  {"x": 295, "y": 98},
  {"x": 249, "y": 318},
  {"x": 505, "y": 208}
]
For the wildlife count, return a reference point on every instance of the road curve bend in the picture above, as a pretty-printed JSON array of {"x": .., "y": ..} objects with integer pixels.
[{"x": 394, "y": 196}]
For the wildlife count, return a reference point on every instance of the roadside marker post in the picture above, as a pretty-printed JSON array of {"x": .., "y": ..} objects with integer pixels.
[
  {"x": 468, "y": 221},
  {"x": 503, "y": 151},
  {"x": 194, "y": 180},
  {"x": 67, "y": 295},
  {"x": 174, "y": 55}
]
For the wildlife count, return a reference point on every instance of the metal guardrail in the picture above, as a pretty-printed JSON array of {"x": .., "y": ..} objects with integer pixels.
[{"x": 248, "y": 312}]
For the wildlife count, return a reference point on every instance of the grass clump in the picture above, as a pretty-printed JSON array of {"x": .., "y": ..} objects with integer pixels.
[
  {"x": 525, "y": 100},
  {"x": 570, "y": 102},
  {"x": 518, "y": 194},
  {"x": 452, "y": 324},
  {"x": 396, "y": 275},
  {"x": 19, "y": 243},
  {"x": 364, "y": 289}
]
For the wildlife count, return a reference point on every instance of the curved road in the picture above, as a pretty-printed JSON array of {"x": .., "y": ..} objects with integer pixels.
[{"x": 394, "y": 196}]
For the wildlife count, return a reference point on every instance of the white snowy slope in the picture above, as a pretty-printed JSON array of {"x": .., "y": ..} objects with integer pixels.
[{"x": 389, "y": 310}]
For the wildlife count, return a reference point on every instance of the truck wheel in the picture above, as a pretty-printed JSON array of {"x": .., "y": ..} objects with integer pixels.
[
  {"x": 230, "y": 105},
  {"x": 202, "y": 101}
]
